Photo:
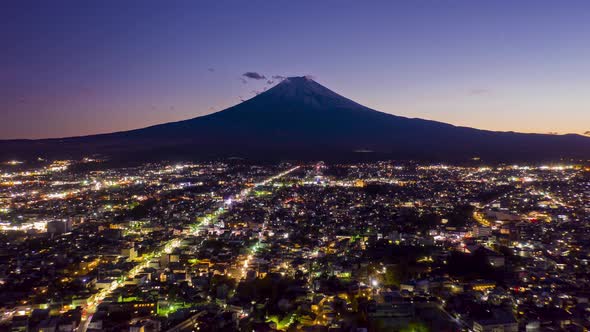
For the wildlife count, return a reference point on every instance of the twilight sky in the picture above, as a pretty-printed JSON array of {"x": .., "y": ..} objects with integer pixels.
[{"x": 84, "y": 67}]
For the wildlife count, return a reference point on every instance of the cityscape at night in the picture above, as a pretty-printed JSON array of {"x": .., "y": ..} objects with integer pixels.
[
  {"x": 315, "y": 166},
  {"x": 294, "y": 246}
]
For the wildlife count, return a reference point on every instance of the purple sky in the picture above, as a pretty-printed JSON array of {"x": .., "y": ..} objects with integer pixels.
[{"x": 84, "y": 67}]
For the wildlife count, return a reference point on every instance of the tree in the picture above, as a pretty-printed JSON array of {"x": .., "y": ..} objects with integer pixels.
[{"x": 415, "y": 327}]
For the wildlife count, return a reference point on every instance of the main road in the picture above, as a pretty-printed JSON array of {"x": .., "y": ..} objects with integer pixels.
[{"x": 93, "y": 302}]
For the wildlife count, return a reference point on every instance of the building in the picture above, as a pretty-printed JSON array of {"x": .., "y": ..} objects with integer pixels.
[
  {"x": 59, "y": 226},
  {"x": 495, "y": 320}
]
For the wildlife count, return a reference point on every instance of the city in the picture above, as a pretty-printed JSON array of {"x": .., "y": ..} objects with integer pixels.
[
  {"x": 293, "y": 246},
  {"x": 287, "y": 166}
]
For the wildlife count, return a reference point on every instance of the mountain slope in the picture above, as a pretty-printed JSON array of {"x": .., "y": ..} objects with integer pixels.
[{"x": 299, "y": 118}]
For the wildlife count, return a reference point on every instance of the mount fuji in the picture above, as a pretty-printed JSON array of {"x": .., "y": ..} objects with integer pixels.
[{"x": 301, "y": 119}]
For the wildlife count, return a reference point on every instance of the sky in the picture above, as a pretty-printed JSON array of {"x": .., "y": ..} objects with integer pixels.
[{"x": 71, "y": 68}]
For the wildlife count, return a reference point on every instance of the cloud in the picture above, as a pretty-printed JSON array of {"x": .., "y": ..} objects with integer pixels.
[
  {"x": 243, "y": 80},
  {"x": 478, "y": 91},
  {"x": 253, "y": 75},
  {"x": 211, "y": 69},
  {"x": 587, "y": 133},
  {"x": 275, "y": 78}
]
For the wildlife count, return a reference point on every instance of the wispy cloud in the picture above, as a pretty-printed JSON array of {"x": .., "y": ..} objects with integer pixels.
[
  {"x": 253, "y": 75},
  {"x": 478, "y": 91}
]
